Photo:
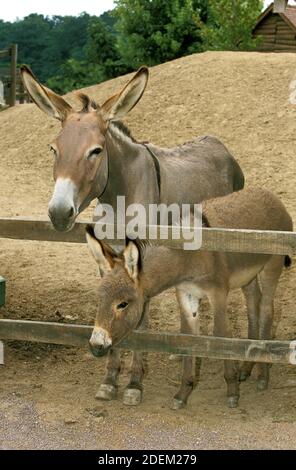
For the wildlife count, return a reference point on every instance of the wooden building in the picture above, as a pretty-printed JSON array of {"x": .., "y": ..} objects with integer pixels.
[{"x": 277, "y": 30}]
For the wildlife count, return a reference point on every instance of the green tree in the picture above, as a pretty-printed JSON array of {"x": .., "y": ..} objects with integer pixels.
[
  {"x": 99, "y": 60},
  {"x": 32, "y": 34},
  {"x": 154, "y": 31},
  {"x": 67, "y": 41},
  {"x": 75, "y": 74},
  {"x": 101, "y": 49},
  {"x": 230, "y": 24},
  {"x": 5, "y": 33}
]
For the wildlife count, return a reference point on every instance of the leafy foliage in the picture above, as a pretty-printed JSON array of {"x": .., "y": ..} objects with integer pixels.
[
  {"x": 230, "y": 24},
  {"x": 154, "y": 31},
  {"x": 73, "y": 52}
]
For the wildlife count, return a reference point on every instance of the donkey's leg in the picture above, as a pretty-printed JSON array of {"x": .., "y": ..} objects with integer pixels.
[
  {"x": 108, "y": 387},
  {"x": 269, "y": 277},
  {"x": 132, "y": 395},
  {"x": 177, "y": 357},
  {"x": 218, "y": 300},
  {"x": 252, "y": 295},
  {"x": 191, "y": 365}
]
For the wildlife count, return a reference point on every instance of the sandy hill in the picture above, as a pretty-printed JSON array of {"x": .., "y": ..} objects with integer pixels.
[{"x": 243, "y": 98}]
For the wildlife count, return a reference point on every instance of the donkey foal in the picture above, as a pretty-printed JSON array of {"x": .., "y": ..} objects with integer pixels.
[{"x": 132, "y": 278}]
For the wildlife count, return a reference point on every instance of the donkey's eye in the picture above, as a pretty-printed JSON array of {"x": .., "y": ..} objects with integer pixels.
[
  {"x": 122, "y": 305},
  {"x": 95, "y": 152}
]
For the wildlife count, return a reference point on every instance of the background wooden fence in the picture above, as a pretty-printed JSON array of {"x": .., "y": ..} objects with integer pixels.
[
  {"x": 10, "y": 76},
  {"x": 227, "y": 240}
]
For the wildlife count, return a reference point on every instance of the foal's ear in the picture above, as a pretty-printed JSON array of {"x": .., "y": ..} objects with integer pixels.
[
  {"x": 132, "y": 259},
  {"x": 120, "y": 104},
  {"x": 48, "y": 101},
  {"x": 103, "y": 254}
]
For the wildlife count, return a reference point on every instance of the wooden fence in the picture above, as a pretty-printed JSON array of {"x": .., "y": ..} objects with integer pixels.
[
  {"x": 10, "y": 76},
  {"x": 226, "y": 240}
]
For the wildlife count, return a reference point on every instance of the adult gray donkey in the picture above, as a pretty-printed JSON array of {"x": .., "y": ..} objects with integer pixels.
[{"x": 95, "y": 156}]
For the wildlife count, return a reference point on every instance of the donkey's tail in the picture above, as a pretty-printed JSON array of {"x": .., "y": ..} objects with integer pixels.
[
  {"x": 238, "y": 177},
  {"x": 287, "y": 261}
]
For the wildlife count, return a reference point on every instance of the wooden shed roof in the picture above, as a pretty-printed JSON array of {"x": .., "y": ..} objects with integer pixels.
[{"x": 289, "y": 15}]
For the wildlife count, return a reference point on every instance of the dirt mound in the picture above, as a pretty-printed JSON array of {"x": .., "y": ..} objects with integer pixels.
[{"x": 243, "y": 98}]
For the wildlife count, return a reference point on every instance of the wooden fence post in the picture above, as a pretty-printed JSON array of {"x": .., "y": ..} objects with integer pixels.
[
  {"x": 2, "y": 302},
  {"x": 13, "y": 73},
  {"x": 2, "y": 291}
]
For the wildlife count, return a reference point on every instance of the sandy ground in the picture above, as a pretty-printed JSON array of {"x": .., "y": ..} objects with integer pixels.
[{"x": 47, "y": 392}]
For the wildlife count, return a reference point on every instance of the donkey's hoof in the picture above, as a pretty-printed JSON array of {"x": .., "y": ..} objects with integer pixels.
[
  {"x": 177, "y": 404},
  {"x": 243, "y": 375},
  {"x": 106, "y": 392},
  {"x": 175, "y": 357},
  {"x": 233, "y": 402},
  {"x": 132, "y": 396},
  {"x": 262, "y": 385}
]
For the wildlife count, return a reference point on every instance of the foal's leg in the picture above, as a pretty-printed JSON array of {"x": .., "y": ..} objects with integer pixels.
[
  {"x": 109, "y": 385},
  {"x": 269, "y": 277},
  {"x": 252, "y": 295},
  {"x": 218, "y": 300},
  {"x": 177, "y": 357},
  {"x": 191, "y": 365},
  {"x": 132, "y": 395}
]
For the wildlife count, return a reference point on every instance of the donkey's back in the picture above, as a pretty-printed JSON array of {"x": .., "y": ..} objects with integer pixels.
[
  {"x": 253, "y": 208},
  {"x": 203, "y": 166}
]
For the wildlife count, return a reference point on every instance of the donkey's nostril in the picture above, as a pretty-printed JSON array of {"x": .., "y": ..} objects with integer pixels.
[
  {"x": 71, "y": 212},
  {"x": 98, "y": 349},
  {"x": 59, "y": 213}
]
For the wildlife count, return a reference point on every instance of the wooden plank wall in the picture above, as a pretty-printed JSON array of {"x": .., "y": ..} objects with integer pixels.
[{"x": 277, "y": 35}]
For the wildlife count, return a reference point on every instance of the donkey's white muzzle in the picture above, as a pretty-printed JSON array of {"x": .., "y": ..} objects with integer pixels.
[
  {"x": 62, "y": 209},
  {"x": 100, "y": 341}
]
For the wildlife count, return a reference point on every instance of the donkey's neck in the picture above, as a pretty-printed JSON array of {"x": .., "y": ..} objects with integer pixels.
[
  {"x": 164, "y": 268},
  {"x": 130, "y": 169}
]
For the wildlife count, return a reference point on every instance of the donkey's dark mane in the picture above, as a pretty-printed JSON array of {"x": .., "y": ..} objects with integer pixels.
[
  {"x": 124, "y": 129},
  {"x": 87, "y": 103}
]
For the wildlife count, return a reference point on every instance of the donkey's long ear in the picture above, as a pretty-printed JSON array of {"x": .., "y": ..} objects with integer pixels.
[
  {"x": 48, "y": 101},
  {"x": 103, "y": 254},
  {"x": 120, "y": 104},
  {"x": 132, "y": 259}
]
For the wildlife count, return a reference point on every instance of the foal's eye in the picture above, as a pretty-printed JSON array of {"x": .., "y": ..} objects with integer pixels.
[{"x": 122, "y": 305}]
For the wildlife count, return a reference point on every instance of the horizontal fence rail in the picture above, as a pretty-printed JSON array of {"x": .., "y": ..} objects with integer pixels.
[
  {"x": 281, "y": 352},
  {"x": 4, "y": 53},
  {"x": 213, "y": 239}
]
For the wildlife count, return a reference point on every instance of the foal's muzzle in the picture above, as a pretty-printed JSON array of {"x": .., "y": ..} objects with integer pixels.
[
  {"x": 100, "y": 342},
  {"x": 99, "y": 351}
]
